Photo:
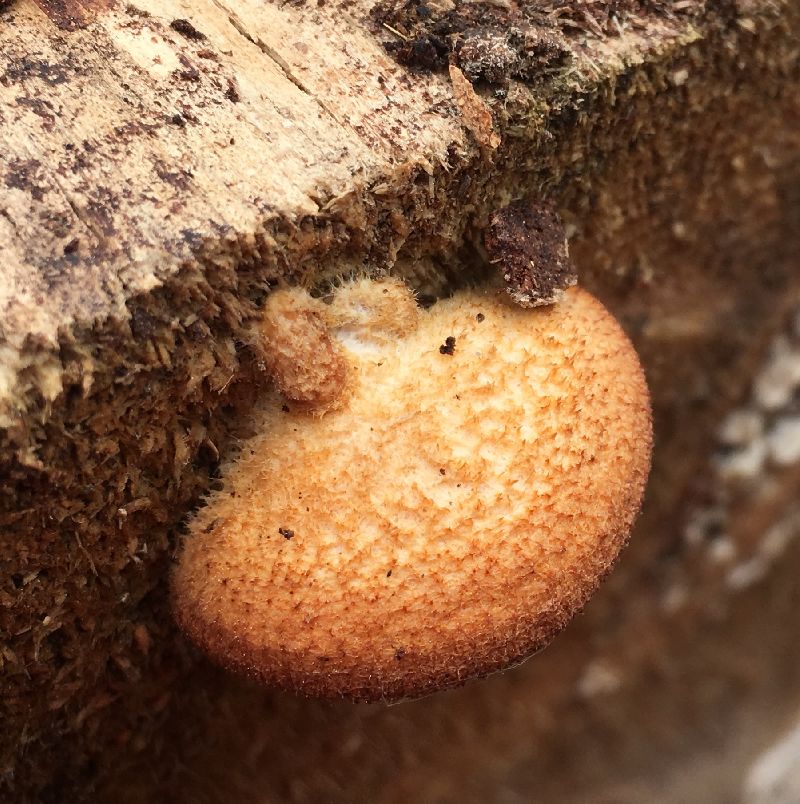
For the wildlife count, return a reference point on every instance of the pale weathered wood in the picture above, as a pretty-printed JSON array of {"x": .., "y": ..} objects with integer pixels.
[{"x": 124, "y": 143}]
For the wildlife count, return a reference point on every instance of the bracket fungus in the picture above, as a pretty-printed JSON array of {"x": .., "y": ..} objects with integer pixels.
[{"x": 451, "y": 505}]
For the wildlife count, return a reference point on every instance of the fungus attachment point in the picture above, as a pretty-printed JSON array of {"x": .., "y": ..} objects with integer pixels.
[
  {"x": 529, "y": 244},
  {"x": 499, "y": 485}
]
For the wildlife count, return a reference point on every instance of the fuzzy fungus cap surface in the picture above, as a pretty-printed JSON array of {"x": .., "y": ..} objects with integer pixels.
[{"x": 444, "y": 522}]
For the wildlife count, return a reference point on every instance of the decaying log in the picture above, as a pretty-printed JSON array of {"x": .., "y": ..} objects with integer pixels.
[{"x": 162, "y": 166}]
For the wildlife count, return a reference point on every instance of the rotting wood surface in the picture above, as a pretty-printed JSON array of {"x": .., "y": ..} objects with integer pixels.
[
  {"x": 131, "y": 139},
  {"x": 127, "y": 143}
]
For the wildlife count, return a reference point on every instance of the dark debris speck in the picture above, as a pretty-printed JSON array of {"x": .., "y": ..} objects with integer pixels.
[
  {"x": 232, "y": 92},
  {"x": 186, "y": 29},
  {"x": 133, "y": 11},
  {"x": 449, "y": 346},
  {"x": 287, "y": 533}
]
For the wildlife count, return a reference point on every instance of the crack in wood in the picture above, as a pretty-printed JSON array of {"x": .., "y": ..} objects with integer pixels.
[{"x": 275, "y": 57}]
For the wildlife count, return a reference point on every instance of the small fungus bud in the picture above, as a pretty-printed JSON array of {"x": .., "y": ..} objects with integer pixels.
[
  {"x": 498, "y": 484},
  {"x": 307, "y": 365}
]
